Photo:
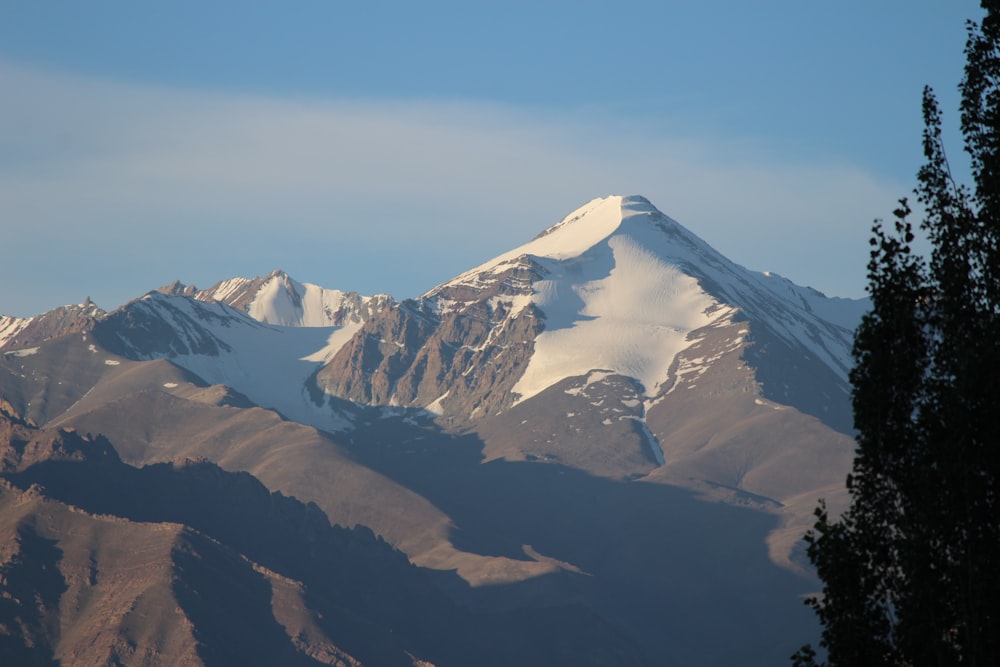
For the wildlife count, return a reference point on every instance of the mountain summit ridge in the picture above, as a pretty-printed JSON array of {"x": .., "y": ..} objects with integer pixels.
[
  {"x": 279, "y": 299},
  {"x": 616, "y": 277},
  {"x": 615, "y": 286},
  {"x": 611, "y": 419}
]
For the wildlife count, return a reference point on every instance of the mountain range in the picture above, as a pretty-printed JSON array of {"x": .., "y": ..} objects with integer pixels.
[{"x": 601, "y": 447}]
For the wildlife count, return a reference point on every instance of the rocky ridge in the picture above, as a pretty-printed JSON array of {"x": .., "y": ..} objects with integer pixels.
[{"x": 19, "y": 333}]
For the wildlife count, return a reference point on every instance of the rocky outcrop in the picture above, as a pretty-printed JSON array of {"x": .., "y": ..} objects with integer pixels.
[
  {"x": 368, "y": 368},
  {"x": 23, "y": 445},
  {"x": 460, "y": 362},
  {"x": 21, "y": 333},
  {"x": 505, "y": 280}
]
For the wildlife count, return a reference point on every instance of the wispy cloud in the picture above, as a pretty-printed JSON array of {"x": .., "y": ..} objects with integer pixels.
[{"x": 110, "y": 187}]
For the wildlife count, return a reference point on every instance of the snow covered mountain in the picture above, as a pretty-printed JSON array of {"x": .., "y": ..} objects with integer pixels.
[
  {"x": 619, "y": 343},
  {"x": 279, "y": 299},
  {"x": 612, "y": 414},
  {"x": 615, "y": 287},
  {"x": 616, "y": 313},
  {"x": 269, "y": 364},
  {"x": 262, "y": 337}
]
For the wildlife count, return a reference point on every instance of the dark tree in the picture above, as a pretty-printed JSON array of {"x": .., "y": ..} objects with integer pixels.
[{"x": 911, "y": 571}]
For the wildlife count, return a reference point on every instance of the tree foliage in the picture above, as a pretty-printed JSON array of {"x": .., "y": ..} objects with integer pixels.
[{"x": 911, "y": 571}]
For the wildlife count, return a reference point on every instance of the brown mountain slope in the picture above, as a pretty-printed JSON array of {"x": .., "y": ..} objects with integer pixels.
[
  {"x": 714, "y": 427},
  {"x": 86, "y": 587},
  {"x": 249, "y": 576},
  {"x": 85, "y": 590},
  {"x": 156, "y": 412},
  {"x": 23, "y": 333},
  {"x": 156, "y": 425}
]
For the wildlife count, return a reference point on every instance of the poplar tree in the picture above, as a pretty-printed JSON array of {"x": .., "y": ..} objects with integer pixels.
[{"x": 911, "y": 571}]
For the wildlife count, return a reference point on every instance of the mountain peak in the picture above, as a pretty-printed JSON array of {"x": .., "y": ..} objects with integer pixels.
[
  {"x": 279, "y": 274},
  {"x": 579, "y": 230},
  {"x": 593, "y": 224},
  {"x": 612, "y": 284},
  {"x": 177, "y": 288},
  {"x": 279, "y": 299},
  {"x": 605, "y": 210},
  {"x": 638, "y": 201},
  {"x": 580, "y": 233},
  {"x": 621, "y": 287}
]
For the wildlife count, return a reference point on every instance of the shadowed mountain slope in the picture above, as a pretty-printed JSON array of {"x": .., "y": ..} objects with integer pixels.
[{"x": 251, "y": 576}]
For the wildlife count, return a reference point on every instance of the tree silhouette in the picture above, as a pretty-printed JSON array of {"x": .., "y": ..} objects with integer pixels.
[{"x": 911, "y": 571}]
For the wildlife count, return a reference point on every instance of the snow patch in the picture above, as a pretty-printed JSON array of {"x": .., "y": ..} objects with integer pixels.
[
  {"x": 435, "y": 406},
  {"x": 270, "y": 365},
  {"x": 622, "y": 287},
  {"x": 592, "y": 377},
  {"x": 26, "y": 352},
  {"x": 651, "y": 440},
  {"x": 11, "y": 326},
  {"x": 338, "y": 337},
  {"x": 230, "y": 287},
  {"x": 618, "y": 306},
  {"x": 287, "y": 302}
]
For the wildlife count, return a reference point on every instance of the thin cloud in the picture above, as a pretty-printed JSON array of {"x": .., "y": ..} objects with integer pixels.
[{"x": 215, "y": 182}]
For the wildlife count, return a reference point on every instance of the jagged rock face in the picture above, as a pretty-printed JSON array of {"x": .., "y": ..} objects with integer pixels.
[
  {"x": 367, "y": 368},
  {"x": 473, "y": 360},
  {"x": 462, "y": 362},
  {"x": 511, "y": 278},
  {"x": 457, "y": 351}
]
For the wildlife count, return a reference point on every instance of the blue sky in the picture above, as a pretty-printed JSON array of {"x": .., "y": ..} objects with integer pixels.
[{"x": 387, "y": 146}]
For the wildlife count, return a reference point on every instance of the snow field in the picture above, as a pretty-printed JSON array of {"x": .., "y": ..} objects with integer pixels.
[
  {"x": 268, "y": 364},
  {"x": 288, "y": 303},
  {"x": 616, "y": 306}
]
